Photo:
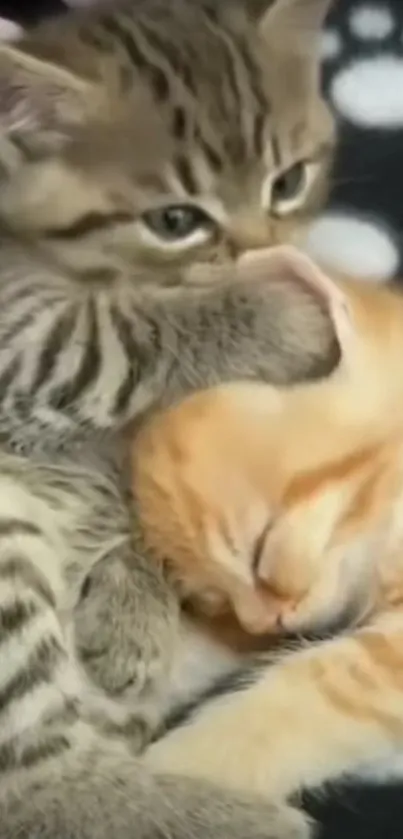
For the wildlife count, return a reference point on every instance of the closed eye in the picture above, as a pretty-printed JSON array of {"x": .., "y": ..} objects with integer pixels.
[
  {"x": 88, "y": 223},
  {"x": 259, "y": 546}
]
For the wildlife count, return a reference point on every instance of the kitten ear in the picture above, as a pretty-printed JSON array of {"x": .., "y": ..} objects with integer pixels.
[
  {"x": 299, "y": 20},
  {"x": 291, "y": 264},
  {"x": 40, "y": 102},
  {"x": 292, "y": 30}
]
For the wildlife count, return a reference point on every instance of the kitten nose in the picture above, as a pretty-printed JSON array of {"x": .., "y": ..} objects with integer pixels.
[{"x": 249, "y": 234}]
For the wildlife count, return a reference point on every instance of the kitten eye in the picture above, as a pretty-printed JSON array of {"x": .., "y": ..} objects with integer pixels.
[
  {"x": 288, "y": 188},
  {"x": 177, "y": 222},
  {"x": 259, "y": 547}
]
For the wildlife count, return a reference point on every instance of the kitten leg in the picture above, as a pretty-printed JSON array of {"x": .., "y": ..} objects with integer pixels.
[
  {"x": 286, "y": 260},
  {"x": 315, "y": 714},
  {"x": 126, "y": 629},
  {"x": 102, "y": 795},
  {"x": 126, "y": 624}
]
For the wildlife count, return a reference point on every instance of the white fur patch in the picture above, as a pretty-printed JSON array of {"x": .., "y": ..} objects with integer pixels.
[
  {"x": 383, "y": 771},
  {"x": 199, "y": 663},
  {"x": 353, "y": 245},
  {"x": 369, "y": 92},
  {"x": 330, "y": 45},
  {"x": 9, "y": 31},
  {"x": 371, "y": 22}
]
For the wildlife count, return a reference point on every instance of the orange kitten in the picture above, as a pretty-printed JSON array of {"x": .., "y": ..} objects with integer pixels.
[
  {"x": 289, "y": 504},
  {"x": 278, "y": 501}
]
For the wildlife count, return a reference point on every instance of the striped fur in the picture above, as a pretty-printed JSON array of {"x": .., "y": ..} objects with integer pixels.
[{"x": 103, "y": 117}]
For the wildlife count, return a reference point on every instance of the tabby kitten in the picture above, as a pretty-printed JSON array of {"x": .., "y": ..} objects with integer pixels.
[
  {"x": 126, "y": 171},
  {"x": 309, "y": 530},
  {"x": 129, "y": 166}
]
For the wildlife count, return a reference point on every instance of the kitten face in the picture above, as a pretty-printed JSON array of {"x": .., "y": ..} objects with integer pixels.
[
  {"x": 121, "y": 150},
  {"x": 215, "y": 496}
]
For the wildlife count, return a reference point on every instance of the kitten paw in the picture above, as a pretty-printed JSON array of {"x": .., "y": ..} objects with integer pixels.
[{"x": 125, "y": 629}]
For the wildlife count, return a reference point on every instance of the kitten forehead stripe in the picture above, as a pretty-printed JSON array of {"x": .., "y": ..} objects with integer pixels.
[
  {"x": 263, "y": 105},
  {"x": 230, "y": 62},
  {"x": 123, "y": 35},
  {"x": 276, "y": 150},
  {"x": 258, "y": 133},
  {"x": 186, "y": 174},
  {"x": 164, "y": 49},
  {"x": 179, "y": 123},
  {"x": 126, "y": 36},
  {"x": 249, "y": 98},
  {"x": 212, "y": 156}
]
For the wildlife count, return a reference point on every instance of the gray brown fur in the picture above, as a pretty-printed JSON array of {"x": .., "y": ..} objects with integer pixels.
[{"x": 96, "y": 327}]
